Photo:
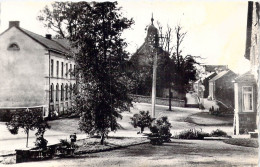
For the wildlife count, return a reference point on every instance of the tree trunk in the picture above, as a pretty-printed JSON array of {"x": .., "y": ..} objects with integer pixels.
[
  {"x": 102, "y": 139},
  {"x": 170, "y": 99},
  {"x": 27, "y": 132},
  {"x": 142, "y": 129}
]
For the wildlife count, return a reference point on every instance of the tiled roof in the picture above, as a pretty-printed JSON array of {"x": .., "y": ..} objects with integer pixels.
[{"x": 50, "y": 44}]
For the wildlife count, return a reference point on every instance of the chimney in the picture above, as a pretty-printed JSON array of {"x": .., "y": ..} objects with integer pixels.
[
  {"x": 48, "y": 36},
  {"x": 14, "y": 24}
]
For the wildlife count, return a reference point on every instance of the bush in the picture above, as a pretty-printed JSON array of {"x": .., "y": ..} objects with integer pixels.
[
  {"x": 201, "y": 106},
  {"x": 192, "y": 134},
  {"x": 160, "y": 131},
  {"x": 142, "y": 120},
  {"x": 65, "y": 143},
  {"x": 41, "y": 142},
  {"x": 218, "y": 133}
]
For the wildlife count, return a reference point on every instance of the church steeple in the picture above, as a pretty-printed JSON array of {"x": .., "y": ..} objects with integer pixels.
[
  {"x": 152, "y": 34},
  {"x": 152, "y": 19}
]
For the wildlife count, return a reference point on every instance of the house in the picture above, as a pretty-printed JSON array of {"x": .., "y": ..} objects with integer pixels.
[
  {"x": 201, "y": 86},
  {"x": 221, "y": 87},
  {"x": 246, "y": 86},
  {"x": 36, "y": 71}
]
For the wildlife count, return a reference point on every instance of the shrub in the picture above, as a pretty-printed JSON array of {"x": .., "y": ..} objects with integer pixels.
[
  {"x": 65, "y": 143},
  {"x": 142, "y": 120},
  {"x": 41, "y": 142},
  {"x": 192, "y": 134},
  {"x": 160, "y": 131},
  {"x": 218, "y": 133}
]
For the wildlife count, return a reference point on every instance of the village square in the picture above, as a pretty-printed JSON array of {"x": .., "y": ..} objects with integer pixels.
[{"x": 126, "y": 83}]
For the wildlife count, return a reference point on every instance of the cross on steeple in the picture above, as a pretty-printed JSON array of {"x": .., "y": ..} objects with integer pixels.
[{"x": 152, "y": 19}]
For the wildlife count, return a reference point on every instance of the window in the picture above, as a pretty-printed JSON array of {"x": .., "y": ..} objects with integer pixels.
[
  {"x": 66, "y": 69},
  {"x": 74, "y": 73},
  {"x": 70, "y": 70},
  {"x": 57, "y": 69},
  {"x": 247, "y": 103},
  {"x": 66, "y": 91},
  {"x": 13, "y": 47},
  {"x": 51, "y": 93},
  {"x": 57, "y": 92},
  {"x": 71, "y": 89},
  {"x": 74, "y": 89},
  {"x": 52, "y": 67},
  {"x": 61, "y": 69},
  {"x": 62, "y": 92}
]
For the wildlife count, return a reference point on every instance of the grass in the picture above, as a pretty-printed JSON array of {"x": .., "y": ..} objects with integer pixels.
[
  {"x": 69, "y": 125},
  {"x": 205, "y": 119},
  {"x": 92, "y": 145},
  {"x": 243, "y": 142}
]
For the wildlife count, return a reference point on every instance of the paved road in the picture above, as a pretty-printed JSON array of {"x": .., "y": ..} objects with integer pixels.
[{"x": 177, "y": 153}]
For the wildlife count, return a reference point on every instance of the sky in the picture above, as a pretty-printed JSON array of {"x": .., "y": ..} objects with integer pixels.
[{"x": 216, "y": 30}]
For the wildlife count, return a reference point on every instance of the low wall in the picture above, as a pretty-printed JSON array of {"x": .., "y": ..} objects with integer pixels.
[{"x": 159, "y": 100}]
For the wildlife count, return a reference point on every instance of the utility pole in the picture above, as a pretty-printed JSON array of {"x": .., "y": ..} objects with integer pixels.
[{"x": 154, "y": 83}]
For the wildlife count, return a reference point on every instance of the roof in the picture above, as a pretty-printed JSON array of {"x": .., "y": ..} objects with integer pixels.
[
  {"x": 212, "y": 68},
  {"x": 221, "y": 74},
  {"x": 48, "y": 43},
  {"x": 208, "y": 76},
  {"x": 246, "y": 77}
]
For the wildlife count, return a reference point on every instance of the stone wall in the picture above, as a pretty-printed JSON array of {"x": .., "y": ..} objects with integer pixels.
[{"x": 159, "y": 100}]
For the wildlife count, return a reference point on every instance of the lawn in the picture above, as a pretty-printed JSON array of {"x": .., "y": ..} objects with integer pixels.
[
  {"x": 243, "y": 142},
  {"x": 206, "y": 119},
  {"x": 180, "y": 119},
  {"x": 91, "y": 145}
]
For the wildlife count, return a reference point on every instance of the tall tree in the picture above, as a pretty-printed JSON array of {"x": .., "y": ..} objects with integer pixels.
[
  {"x": 94, "y": 30},
  {"x": 184, "y": 66}
]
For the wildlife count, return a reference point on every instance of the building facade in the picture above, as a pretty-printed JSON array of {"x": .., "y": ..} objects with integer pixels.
[
  {"x": 221, "y": 87},
  {"x": 36, "y": 71},
  {"x": 247, "y": 85}
]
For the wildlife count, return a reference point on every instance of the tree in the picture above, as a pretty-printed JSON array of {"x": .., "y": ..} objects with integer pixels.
[
  {"x": 29, "y": 119},
  {"x": 184, "y": 66},
  {"x": 94, "y": 30},
  {"x": 142, "y": 120}
]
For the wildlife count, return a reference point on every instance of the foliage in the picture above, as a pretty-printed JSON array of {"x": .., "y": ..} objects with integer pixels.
[
  {"x": 29, "y": 119},
  {"x": 65, "y": 143},
  {"x": 5, "y": 115},
  {"x": 160, "y": 130},
  {"x": 192, "y": 134},
  {"x": 142, "y": 120},
  {"x": 41, "y": 142},
  {"x": 94, "y": 30},
  {"x": 218, "y": 133},
  {"x": 141, "y": 75}
]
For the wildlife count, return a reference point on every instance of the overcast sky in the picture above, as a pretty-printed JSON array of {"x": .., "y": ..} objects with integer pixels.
[{"x": 216, "y": 30}]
